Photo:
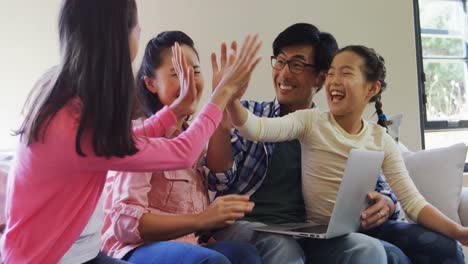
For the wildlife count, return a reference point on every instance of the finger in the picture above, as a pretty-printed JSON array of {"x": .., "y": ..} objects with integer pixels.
[
  {"x": 369, "y": 222},
  {"x": 229, "y": 222},
  {"x": 234, "y": 216},
  {"x": 378, "y": 218},
  {"x": 254, "y": 64},
  {"x": 198, "y": 88},
  {"x": 371, "y": 210},
  {"x": 253, "y": 48},
  {"x": 191, "y": 77},
  {"x": 191, "y": 83},
  {"x": 247, "y": 57},
  {"x": 248, "y": 72},
  {"x": 371, "y": 196},
  {"x": 176, "y": 59},
  {"x": 183, "y": 61},
  {"x": 223, "y": 55},
  {"x": 233, "y": 53},
  {"x": 376, "y": 223},
  {"x": 183, "y": 90},
  {"x": 214, "y": 63},
  {"x": 234, "y": 197},
  {"x": 239, "y": 207},
  {"x": 253, "y": 55},
  {"x": 372, "y": 219},
  {"x": 244, "y": 48}
]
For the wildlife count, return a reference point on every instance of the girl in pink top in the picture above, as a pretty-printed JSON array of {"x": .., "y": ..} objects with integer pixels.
[
  {"x": 143, "y": 209},
  {"x": 78, "y": 126}
]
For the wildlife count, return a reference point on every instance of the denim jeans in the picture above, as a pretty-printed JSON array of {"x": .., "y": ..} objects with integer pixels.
[
  {"x": 420, "y": 244},
  {"x": 276, "y": 248},
  {"x": 102, "y": 258},
  {"x": 223, "y": 252}
]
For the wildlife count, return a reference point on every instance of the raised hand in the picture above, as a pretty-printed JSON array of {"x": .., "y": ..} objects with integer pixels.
[
  {"x": 218, "y": 71},
  {"x": 187, "y": 102},
  {"x": 224, "y": 210},
  {"x": 238, "y": 68}
]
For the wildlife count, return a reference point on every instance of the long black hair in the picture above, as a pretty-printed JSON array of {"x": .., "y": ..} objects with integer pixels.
[
  {"x": 96, "y": 68},
  {"x": 374, "y": 70},
  {"x": 151, "y": 62}
]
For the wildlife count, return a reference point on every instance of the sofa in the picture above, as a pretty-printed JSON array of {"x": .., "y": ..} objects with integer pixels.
[
  {"x": 463, "y": 212},
  {"x": 437, "y": 173}
]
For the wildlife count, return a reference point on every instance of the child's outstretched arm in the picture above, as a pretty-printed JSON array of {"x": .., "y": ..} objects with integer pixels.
[
  {"x": 433, "y": 219},
  {"x": 289, "y": 127},
  {"x": 219, "y": 156}
]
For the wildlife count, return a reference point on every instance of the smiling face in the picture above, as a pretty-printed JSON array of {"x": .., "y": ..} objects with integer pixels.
[
  {"x": 166, "y": 83},
  {"x": 347, "y": 89},
  {"x": 296, "y": 91}
]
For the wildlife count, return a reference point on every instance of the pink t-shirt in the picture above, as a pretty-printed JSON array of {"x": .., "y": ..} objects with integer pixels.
[{"x": 52, "y": 191}]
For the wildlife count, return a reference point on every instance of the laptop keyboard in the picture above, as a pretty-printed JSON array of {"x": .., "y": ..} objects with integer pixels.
[{"x": 317, "y": 229}]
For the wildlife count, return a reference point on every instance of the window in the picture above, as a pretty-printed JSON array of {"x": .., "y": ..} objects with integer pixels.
[{"x": 442, "y": 34}]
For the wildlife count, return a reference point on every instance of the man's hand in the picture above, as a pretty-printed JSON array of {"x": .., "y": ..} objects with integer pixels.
[{"x": 380, "y": 209}]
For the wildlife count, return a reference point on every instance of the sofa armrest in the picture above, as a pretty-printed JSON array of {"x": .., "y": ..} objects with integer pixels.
[{"x": 463, "y": 207}]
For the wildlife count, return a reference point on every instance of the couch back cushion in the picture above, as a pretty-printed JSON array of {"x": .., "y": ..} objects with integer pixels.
[{"x": 438, "y": 175}]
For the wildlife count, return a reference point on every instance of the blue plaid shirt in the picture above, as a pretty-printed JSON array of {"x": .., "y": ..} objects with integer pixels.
[{"x": 251, "y": 161}]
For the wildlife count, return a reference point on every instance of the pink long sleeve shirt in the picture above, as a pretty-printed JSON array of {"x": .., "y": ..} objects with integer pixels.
[
  {"x": 129, "y": 195},
  {"x": 52, "y": 191}
]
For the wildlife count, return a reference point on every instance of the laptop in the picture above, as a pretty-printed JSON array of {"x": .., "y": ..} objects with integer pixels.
[{"x": 359, "y": 178}]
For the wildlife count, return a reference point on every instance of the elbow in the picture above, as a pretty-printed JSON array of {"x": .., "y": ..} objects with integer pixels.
[
  {"x": 127, "y": 230},
  {"x": 187, "y": 154},
  {"x": 143, "y": 235},
  {"x": 188, "y": 161},
  {"x": 192, "y": 160}
]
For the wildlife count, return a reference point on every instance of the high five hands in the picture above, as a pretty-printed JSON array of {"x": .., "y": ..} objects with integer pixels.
[
  {"x": 234, "y": 71},
  {"x": 190, "y": 94}
]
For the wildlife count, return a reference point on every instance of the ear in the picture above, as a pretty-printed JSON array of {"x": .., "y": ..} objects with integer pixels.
[
  {"x": 374, "y": 89},
  {"x": 150, "y": 84},
  {"x": 320, "y": 81}
]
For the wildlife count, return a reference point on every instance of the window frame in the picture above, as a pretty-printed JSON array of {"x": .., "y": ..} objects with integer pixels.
[{"x": 425, "y": 124}]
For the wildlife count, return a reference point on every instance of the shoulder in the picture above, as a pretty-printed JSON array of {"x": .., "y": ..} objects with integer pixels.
[
  {"x": 71, "y": 111},
  {"x": 380, "y": 134},
  {"x": 312, "y": 113},
  {"x": 265, "y": 108},
  {"x": 376, "y": 128}
]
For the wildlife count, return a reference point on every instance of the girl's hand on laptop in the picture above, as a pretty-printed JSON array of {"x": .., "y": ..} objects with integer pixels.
[{"x": 378, "y": 211}]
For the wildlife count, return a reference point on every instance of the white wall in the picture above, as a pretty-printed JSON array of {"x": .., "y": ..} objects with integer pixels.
[{"x": 30, "y": 44}]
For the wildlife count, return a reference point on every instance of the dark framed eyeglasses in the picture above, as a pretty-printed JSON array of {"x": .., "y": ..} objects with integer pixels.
[{"x": 295, "y": 66}]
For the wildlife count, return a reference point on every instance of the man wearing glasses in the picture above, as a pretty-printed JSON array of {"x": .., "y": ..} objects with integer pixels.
[{"x": 271, "y": 172}]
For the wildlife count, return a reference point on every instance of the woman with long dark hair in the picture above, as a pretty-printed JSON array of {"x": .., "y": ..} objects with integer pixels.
[{"x": 78, "y": 126}]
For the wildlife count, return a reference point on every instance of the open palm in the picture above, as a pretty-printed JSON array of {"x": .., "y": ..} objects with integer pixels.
[{"x": 190, "y": 94}]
